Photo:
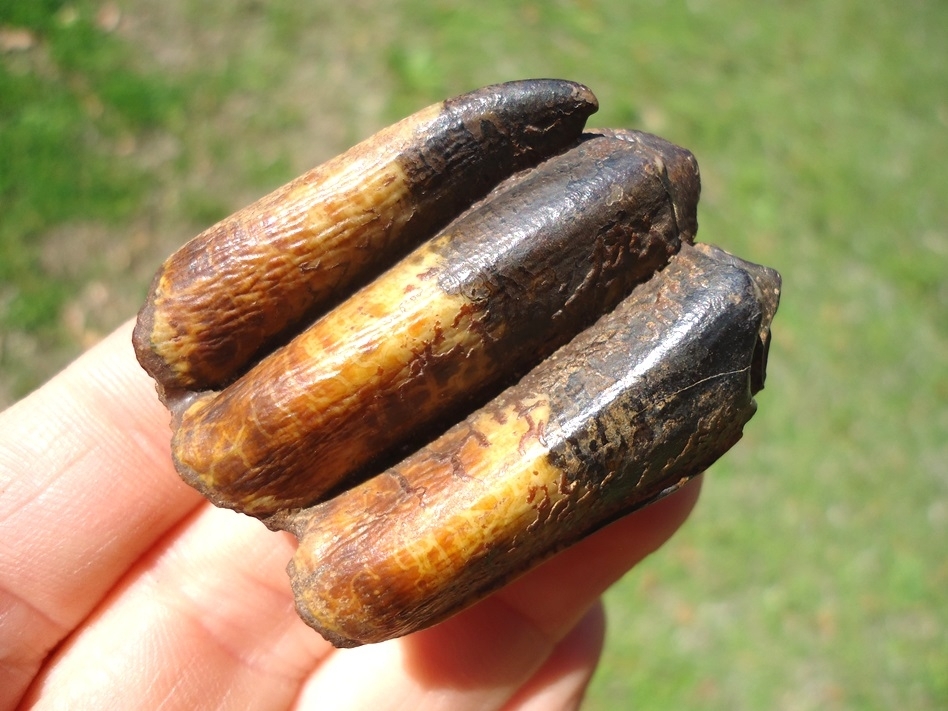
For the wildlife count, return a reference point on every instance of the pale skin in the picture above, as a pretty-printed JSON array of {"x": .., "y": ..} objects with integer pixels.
[{"x": 120, "y": 587}]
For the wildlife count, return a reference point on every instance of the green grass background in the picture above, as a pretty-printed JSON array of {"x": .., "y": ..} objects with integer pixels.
[{"x": 814, "y": 573}]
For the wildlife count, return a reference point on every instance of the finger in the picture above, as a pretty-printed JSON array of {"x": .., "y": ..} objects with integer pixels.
[
  {"x": 562, "y": 680},
  {"x": 482, "y": 656},
  {"x": 204, "y": 621},
  {"x": 87, "y": 487}
]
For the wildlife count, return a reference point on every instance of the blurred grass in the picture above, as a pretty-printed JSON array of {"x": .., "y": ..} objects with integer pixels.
[{"x": 813, "y": 573}]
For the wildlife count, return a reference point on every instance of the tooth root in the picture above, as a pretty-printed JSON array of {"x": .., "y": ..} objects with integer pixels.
[
  {"x": 502, "y": 287},
  {"x": 627, "y": 412},
  {"x": 229, "y": 293}
]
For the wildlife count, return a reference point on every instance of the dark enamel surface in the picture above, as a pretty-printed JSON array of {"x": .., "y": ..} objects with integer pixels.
[{"x": 664, "y": 383}]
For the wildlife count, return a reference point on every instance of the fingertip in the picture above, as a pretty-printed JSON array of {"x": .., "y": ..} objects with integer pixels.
[{"x": 562, "y": 680}]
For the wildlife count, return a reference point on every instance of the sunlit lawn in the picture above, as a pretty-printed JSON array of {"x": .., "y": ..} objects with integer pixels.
[{"x": 813, "y": 574}]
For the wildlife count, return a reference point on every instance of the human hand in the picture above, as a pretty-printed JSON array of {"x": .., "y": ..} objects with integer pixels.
[{"x": 120, "y": 587}]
